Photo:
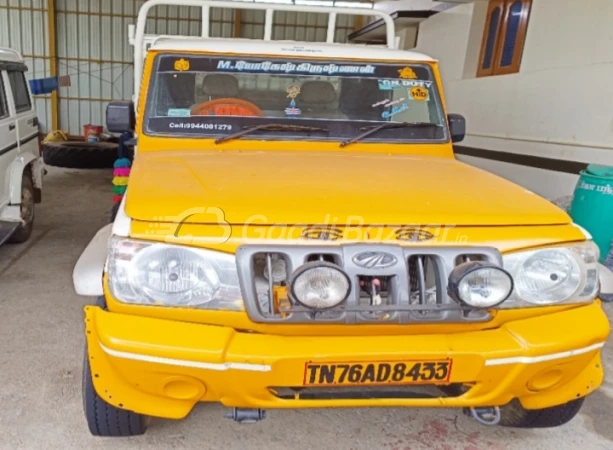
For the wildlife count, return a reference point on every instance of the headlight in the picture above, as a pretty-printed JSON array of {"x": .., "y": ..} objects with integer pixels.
[
  {"x": 480, "y": 285},
  {"x": 169, "y": 275},
  {"x": 553, "y": 275},
  {"x": 319, "y": 285}
]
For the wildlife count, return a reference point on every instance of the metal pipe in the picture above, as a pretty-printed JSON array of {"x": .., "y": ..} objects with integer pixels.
[
  {"x": 22, "y": 8},
  {"x": 268, "y": 24},
  {"x": 206, "y": 21},
  {"x": 52, "y": 38},
  {"x": 542, "y": 141},
  {"x": 237, "y": 23},
  {"x": 177, "y": 19},
  {"x": 78, "y": 59},
  {"x": 139, "y": 51},
  {"x": 330, "y": 37}
]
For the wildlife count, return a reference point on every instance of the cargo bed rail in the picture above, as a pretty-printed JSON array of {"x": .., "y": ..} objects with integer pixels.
[{"x": 140, "y": 40}]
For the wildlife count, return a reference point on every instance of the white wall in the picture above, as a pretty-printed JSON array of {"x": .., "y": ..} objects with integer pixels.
[
  {"x": 391, "y": 6},
  {"x": 404, "y": 5},
  {"x": 407, "y": 37},
  {"x": 560, "y": 104}
]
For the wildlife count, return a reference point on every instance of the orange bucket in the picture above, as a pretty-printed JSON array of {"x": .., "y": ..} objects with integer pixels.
[{"x": 92, "y": 132}]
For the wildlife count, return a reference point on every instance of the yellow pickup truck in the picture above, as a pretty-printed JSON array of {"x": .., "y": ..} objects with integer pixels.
[{"x": 297, "y": 233}]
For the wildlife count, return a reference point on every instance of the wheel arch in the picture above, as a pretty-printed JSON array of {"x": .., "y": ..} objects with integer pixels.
[
  {"x": 19, "y": 166},
  {"x": 88, "y": 272}
]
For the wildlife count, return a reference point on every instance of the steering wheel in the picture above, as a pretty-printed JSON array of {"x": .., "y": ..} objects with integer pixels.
[{"x": 227, "y": 107}]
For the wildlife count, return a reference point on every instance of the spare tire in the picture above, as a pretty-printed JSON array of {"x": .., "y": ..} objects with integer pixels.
[{"x": 80, "y": 154}]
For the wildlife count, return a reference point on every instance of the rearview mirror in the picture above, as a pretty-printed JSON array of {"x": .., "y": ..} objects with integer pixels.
[
  {"x": 120, "y": 117},
  {"x": 457, "y": 125}
]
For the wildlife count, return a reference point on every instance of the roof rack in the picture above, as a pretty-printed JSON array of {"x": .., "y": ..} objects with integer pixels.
[{"x": 140, "y": 40}]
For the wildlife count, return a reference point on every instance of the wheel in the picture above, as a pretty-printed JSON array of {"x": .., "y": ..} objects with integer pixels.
[
  {"x": 514, "y": 415},
  {"x": 104, "y": 419},
  {"x": 24, "y": 231},
  {"x": 80, "y": 154}
]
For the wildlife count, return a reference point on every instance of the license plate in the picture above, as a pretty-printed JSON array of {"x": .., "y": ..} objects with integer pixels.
[{"x": 378, "y": 373}]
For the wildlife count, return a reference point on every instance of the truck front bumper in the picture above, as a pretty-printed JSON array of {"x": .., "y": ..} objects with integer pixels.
[{"x": 163, "y": 368}]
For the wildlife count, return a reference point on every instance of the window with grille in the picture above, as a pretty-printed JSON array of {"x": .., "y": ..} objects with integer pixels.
[{"x": 504, "y": 35}]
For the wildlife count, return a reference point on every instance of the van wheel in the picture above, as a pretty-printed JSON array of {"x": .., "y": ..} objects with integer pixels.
[
  {"x": 24, "y": 230},
  {"x": 514, "y": 415},
  {"x": 104, "y": 419}
]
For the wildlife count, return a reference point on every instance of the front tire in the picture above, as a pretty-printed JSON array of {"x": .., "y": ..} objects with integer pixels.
[
  {"x": 106, "y": 420},
  {"x": 24, "y": 230},
  {"x": 514, "y": 415}
]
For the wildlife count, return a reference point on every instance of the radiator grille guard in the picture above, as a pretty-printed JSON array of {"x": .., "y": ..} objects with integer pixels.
[{"x": 416, "y": 284}]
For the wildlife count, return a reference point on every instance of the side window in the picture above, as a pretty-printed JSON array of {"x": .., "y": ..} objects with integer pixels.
[
  {"x": 504, "y": 35},
  {"x": 4, "y": 107},
  {"x": 21, "y": 94}
]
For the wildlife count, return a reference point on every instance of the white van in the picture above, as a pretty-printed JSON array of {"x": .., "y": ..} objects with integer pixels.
[{"x": 21, "y": 168}]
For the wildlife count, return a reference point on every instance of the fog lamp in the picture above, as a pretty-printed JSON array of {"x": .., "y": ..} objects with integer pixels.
[
  {"x": 480, "y": 284},
  {"x": 319, "y": 285}
]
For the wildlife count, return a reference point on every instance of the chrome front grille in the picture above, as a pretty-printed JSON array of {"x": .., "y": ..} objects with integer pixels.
[{"x": 413, "y": 282}]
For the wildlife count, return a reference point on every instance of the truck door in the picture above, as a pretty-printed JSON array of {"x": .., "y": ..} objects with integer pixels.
[
  {"x": 8, "y": 139},
  {"x": 27, "y": 121}
]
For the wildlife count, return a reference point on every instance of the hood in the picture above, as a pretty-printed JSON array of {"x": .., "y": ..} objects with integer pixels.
[{"x": 261, "y": 187}]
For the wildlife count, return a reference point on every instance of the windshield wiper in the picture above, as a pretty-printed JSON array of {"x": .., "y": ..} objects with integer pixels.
[
  {"x": 269, "y": 127},
  {"x": 386, "y": 126}
]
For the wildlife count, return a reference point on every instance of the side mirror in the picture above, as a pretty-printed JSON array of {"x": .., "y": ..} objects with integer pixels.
[
  {"x": 457, "y": 125},
  {"x": 120, "y": 117}
]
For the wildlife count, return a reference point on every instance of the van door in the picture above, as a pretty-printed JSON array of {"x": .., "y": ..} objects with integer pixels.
[
  {"x": 27, "y": 121},
  {"x": 8, "y": 139}
]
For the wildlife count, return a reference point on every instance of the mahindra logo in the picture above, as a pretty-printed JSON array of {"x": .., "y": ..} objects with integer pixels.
[{"x": 375, "y": 260}]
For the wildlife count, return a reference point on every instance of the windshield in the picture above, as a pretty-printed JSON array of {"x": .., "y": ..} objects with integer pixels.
[{"x": 202, "y": 96}]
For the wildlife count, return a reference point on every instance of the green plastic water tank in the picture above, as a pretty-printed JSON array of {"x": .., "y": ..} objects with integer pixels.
[{"x": 592, "y": 205}]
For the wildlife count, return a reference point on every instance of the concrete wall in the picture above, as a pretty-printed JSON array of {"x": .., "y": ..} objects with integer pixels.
[{"x": 560, "y": 104}]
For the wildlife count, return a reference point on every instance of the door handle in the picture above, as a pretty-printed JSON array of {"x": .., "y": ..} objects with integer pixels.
[{"x": 11, "y": 126}]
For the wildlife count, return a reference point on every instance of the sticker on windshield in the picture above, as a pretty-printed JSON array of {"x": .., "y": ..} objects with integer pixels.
[
  {"x": 395, "y": 110},
  {"x": 182, "y": 65},
  {"x": 200, "y": 126},
  {"x": 174, "y": 63},
  {"x": 389, "y": 85},
  {"x": 387, "y": 102},
  {"x": 179, "y": 112},
  {"x": 290, "y": 67},
  {"x": 420, "y": 94},
  {"x": 407, "y": 73},
  {"x": 293, "y": 91}
]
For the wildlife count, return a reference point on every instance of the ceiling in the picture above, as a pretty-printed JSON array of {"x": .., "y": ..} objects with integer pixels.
[{"x": 406, "y": 14}]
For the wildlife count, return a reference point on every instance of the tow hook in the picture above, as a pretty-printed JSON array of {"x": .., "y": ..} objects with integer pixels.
[
  {"x": 245, "y": 415},
  {"x": 488, "y": 415}
]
